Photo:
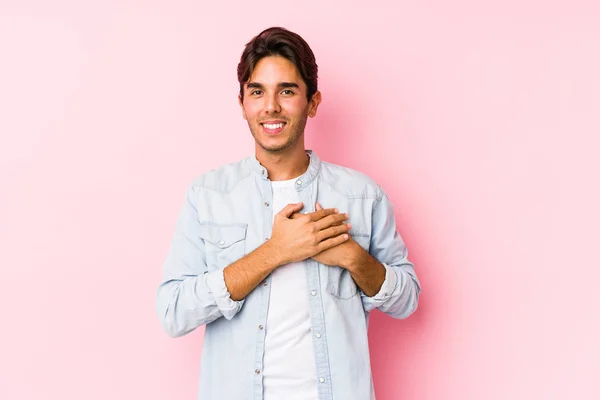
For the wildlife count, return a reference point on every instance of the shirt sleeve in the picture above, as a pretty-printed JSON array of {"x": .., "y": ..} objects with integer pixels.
[
  {"x": 189, "y": 296},
  {"x": 399, "y": 293}
]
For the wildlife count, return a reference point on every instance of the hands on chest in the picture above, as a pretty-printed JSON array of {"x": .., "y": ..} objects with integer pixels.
[{"x": 321, "y": 235}]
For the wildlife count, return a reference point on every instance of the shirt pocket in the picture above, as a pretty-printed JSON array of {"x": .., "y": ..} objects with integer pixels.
[
  {"x": 339, "y": 281},
  {"x": 224, "y": 243}
]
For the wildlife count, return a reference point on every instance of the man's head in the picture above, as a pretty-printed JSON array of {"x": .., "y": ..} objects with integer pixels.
[{"x": 278, "y": 88}]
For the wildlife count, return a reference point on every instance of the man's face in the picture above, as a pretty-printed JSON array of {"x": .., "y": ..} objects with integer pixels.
[{"x": 275, "y": 104}]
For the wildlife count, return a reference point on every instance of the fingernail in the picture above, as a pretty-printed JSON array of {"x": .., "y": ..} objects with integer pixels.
[
  {"x": 345, "y": 236},
  {"x": 346, "y": 215},
  {"x": 349, "y": 226},
  {"x": 336, "y": 210}
]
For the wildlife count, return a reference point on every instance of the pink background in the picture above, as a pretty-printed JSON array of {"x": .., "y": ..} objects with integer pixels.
[{"x": 480, "y": 121}]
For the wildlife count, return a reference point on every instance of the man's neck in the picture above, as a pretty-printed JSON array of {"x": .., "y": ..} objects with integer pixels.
[{"x": 285, "y": 165}]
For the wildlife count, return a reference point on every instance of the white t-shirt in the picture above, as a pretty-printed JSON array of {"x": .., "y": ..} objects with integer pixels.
[{"x": 289, "y": 361}]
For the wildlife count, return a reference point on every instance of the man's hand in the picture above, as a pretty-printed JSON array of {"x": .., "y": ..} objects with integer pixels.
[
  {"x": 304, "y": 235},
  {"x": 368, "y": 273},
  {"x": 344, "y": 254}
]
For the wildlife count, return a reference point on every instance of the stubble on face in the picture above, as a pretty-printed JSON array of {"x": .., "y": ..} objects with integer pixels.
[{"x": 293, "y": 136}]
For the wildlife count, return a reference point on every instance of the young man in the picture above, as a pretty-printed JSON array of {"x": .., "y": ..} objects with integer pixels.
[{"x": 282, "y": 256}]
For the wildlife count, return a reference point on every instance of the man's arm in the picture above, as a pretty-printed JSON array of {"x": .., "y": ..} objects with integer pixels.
[
  {"x": 398, "y": 294},
  {"x": 190, "y": 296},
  {"x": 386, "y": 278},
  {"x": 368, "y": 273}
]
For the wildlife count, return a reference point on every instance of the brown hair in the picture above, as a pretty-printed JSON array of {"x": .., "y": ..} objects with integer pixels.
[{"x": 278, "y": 41}]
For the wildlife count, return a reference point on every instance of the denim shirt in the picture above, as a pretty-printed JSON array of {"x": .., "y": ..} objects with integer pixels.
[{"x": 227, "y": 214}]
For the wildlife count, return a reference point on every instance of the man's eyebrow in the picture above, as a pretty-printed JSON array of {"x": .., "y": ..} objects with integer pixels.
[
  {"x": 288, "y": 85},
  {"x": 257, "y": 85},
  {"x": 254, "y": 85}
]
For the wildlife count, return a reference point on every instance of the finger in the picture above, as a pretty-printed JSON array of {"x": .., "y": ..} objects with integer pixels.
[
  {"x": 290, "y": 209},
  {"x": 332, "y": 242},
  {"x": 296, "y": 215},
  {"x": 333, "y": 231},
  {"x": 312, "y": 216},
  {"x": 317, "y": 215},
  {"x": 320, "y": 207},
  {"x": 330, "y": 220}
]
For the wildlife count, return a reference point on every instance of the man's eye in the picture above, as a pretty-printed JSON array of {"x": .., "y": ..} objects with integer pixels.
[
  {"x": 287, "y": 92},
  {"x": 255, "y": 92}
]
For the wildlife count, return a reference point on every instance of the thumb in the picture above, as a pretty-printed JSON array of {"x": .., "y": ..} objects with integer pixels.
[
  {"x": 290, "y": 209},
  {"x": 319, "y": 207}
]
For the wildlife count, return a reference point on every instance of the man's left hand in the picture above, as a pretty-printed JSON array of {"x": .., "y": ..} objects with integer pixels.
[{"x": 343, "y": 255}]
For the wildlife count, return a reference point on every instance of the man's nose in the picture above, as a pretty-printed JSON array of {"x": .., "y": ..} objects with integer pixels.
[{"x": 272, "y": 104}]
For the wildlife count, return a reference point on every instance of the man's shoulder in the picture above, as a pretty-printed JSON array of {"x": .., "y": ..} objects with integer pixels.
[
  {"x": 223, "y": 178},
  {"x": 349, "y": 182}
]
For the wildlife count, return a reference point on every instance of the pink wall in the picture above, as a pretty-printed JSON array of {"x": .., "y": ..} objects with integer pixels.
[{"x": 480, "y": 121}]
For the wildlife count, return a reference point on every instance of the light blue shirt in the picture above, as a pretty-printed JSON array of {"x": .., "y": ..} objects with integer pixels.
[{"x": 227, "y": 214}]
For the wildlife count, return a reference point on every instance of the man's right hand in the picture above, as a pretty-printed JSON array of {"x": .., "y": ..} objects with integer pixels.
[{"x": 296, "y": 239}]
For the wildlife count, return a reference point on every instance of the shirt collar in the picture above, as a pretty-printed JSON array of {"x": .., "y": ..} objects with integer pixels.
[{"x": 314, "y": 166}]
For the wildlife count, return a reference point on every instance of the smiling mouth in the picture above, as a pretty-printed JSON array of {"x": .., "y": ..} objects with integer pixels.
[
  {"x": 274, "y": 126},
  {"x": 273, "y": 129}
]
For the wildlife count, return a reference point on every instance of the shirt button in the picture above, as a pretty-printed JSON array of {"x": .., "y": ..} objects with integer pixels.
[
  {"x": 263, "y": 171},
  {"x": 257, "y": 371},
  {"x": 318, "y": 335},
  {"x": 265, "y": 283},
  {"x": 321, "y": 380},
  {"x": 260, "y": 327},
  {"x": 298, "y": 182},
  {"x": 221, "y": 242},
  {"x": 266, "y": 239},
  {"x": 266, "y": 204},
  {"x": 313, "y": 293}
]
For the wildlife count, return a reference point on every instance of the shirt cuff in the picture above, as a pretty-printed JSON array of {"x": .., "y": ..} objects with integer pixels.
[
  {"x": 216, "y": 283},
  {"x": 388, "y": 286}
]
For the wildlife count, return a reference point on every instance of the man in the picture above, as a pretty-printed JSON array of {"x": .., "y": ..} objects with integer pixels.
[{"x": 282, "y": 256}]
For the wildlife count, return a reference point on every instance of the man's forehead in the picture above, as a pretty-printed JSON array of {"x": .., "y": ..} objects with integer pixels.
[{"x": 274, "y": 70}]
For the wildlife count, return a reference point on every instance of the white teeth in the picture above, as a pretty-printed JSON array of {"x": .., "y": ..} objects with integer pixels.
[{"x": 273, "y": 126}]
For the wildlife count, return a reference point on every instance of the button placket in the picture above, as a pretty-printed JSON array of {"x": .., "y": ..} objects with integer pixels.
[
  {"x": 265, "y": 202},
  {"x": 319, "y": 331}
]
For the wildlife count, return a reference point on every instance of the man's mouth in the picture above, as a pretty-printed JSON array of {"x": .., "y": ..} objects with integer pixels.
[{"x": 273, "y": 128}]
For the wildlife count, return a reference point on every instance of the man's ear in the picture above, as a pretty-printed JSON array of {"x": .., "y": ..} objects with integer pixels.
[
  {"x": 314, "y": 104},
  {"x": 241, "y": 102}
]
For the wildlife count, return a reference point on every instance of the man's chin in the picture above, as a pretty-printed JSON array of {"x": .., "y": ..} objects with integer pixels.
[{"x": 274, "y": 147}]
